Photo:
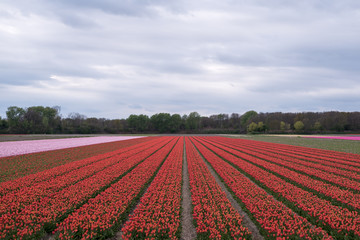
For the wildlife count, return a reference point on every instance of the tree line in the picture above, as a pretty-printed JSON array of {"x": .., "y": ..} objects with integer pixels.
[{"x": 48, "y": 120}]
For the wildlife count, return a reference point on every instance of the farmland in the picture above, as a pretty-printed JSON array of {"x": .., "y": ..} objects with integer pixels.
[
  {"x": 341, "y": 145},
  {"x": 172, "y": 187}
]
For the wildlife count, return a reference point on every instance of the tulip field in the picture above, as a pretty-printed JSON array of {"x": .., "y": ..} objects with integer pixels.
[{"x": 133, "y": 188}]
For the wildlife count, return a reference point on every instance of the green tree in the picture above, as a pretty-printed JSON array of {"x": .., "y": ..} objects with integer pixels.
[
  {"x": 161, "y": 122},
  {"x": 74, "y": 123},
  {"x": 252, "y": 127},
  {"x": 223, "y": 120},
  {"x": 3, "y": 125},
  {"x": 318, "y": 127},
  {"x": 299, "y": 126},
  {"x": 42, "y": 119},
  {"x": 247, "y": 117},
  {"x": 143, "y": 123},
  {"x": 175, "y": 123},
  {"x": 34, "y": 120},
  {"x": 235, "y": 120},
  {"x": 93, "y": 125},
  {"x": 282, "y": 126},
  {"x": 261, "y": 127},
  {"x": 113, "y": 126},
  {"x": 16, "y": 121},
  {"x": 183, "y": 122},
  {"x": 193, "y": 121},
  {"x": 132, "y": 122}
]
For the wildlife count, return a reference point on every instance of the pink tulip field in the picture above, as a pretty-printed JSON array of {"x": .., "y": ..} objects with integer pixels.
[{"x": 25, "y": 147}]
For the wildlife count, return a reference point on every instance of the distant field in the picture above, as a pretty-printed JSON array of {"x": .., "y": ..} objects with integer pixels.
[{"x": 340, "y": 145}]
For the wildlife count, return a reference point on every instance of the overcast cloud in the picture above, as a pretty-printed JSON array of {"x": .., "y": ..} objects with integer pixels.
[{"x": 115, "y": 58}]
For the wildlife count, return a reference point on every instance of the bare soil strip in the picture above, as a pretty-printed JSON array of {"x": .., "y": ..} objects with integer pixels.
[
  {"x": 246, "y": 219},
  {"x": 188, "y": 230}
]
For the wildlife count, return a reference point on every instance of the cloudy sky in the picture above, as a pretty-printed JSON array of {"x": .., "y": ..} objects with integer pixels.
[{"x": 109, "y": 58}]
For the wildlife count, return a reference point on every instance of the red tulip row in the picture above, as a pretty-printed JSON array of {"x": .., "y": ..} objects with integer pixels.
[
  {"x": 320, "y": 155},
  {"x": 45, "y": 210},
  {"x": 158, "y": 213},
  {"x": 326, "y": 165},
  {"x": 14, "y": 201},
  {"x": 214, "y": 216},
  {"x": 348, "y": 158},
  {"x": 274, "y": 218},
  {"x": 328, "y": 160},
  {"x": 101, "y": 216},
  {"x": 14, "y": 167},
  {"x": 311, "y": 171},
  {"x": 352, "y": 174},
  {"x": 335, "y": 219},
  {"x": 69, "y": 170},
  {"x": 325, "y": 189}
]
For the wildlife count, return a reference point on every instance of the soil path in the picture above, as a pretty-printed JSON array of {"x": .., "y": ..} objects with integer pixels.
[{"x": 188, "y": 230}]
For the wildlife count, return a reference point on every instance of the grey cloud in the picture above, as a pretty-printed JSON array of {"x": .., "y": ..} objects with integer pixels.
[
  {"x": 76, "y": 20},
  {"x": 179, "y": 56},
  {"x": 126, "y": 7},
  {"x": 346, "y": 59},
  {"x": 137, "y": 8},
  {"x": 5, "y": 14},
  {"x": 243, "y": 60},
  {"x": 12, "y": 76},
  {"x": 135, "y": 106}
]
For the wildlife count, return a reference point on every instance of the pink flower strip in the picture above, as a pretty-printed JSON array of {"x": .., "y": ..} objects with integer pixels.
[{"x": 24, "y": 147}]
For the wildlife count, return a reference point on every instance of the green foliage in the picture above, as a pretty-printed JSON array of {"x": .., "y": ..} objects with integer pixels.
[
  {"x": 261, "y": 127},
  {"x": 138, "y": 123},
  {"x": 252, "y": 127},
  {"x": 318, "y": 127},
  {"x": 132, "y": 121},
  {"x": 143, "y": 123},
  {"x": 247, "y": 117},
  {"x": 282, "y": 126},
  {"x": 161, "y": 122},
  {"x": 3, "y": 125},
  {"x": 36, "y": 119},
  {"x": 40, "y": 119},
  {"x": 47, "y": 120},
  {"x": 175, "y": 123},
  {"x": 256, "y": 127},
  {"x": 193, "y": 121},
  {"x": 113, "y": 126},
  {"x": 299, "y": 126},
  {"x": 15, "y": 116}
]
